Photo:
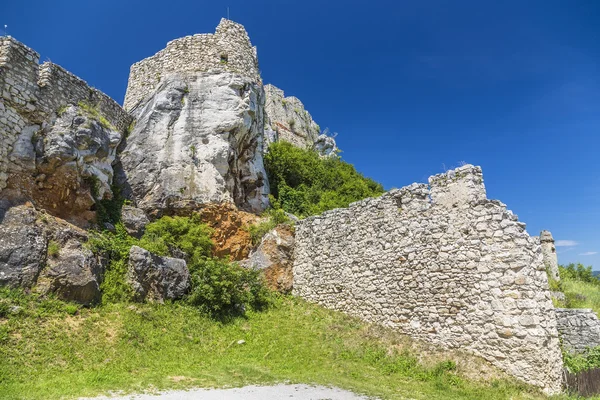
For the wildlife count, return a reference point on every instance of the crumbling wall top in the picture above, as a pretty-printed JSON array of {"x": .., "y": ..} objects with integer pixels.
[{"x": 227, "y": 50}]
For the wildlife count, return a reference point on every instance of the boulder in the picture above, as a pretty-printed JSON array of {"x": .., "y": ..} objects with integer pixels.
[
  {"x": 274, "y": 256},
  {"x": 23, "y": 243},
  {"x": 134, "y": 220},
  {"x": 155, "y": 278},
  {"x": 72, "y": 271},
  {"x": 46, "y": 254}
]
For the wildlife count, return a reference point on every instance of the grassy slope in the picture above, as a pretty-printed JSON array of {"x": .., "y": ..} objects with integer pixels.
[{"x": 48, "y": 353}]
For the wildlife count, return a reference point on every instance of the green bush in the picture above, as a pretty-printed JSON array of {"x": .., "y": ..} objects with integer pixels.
[
  {"x": 171, "y": 236},
  {"x": 218, "y": 287},
  {"x": 115, "y": 247},
  {"x": 581, "y": 362},
  {"x": 578, "y": 272},
  {"x": 225, "y": 289},
  {"x": 303, "y": 183}
]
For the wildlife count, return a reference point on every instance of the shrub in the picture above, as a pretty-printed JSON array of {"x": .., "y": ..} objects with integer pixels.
[
  {"x": 171, "y": 236},
  {"x": 303, "y": 183},
  {"x": 115, "y": 247},
  {"x": 226, "y": 289},
  {"x": 578, "y": 273},
  {"x": 582, "y": 362}
]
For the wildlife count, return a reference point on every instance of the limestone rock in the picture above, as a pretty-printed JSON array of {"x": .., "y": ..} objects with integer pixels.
[
  {"x": 197, "y": 140},
  {"x": 274, "y": 256},
  {"x": 74, "y": 273},
  {"x": 287, "y": 120},
  {"x": 64, "y": 165},
  {"x": 45, "y": 254},
  {"x": 135, "y": 220},
  {"x": 326, "y": 146},
  {"x": 23, "y": 245},
  {"x": 156, "y": 278}
]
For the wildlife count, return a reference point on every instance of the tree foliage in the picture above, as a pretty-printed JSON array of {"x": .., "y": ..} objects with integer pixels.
[{"x": 303, "y": 183}]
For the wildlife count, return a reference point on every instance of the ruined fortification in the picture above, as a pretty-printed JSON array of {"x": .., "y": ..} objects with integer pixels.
[
  {"x": 227, "y": 50},
  {"x": 438, "y": 261},
  {"x": 441, "y": 263}
]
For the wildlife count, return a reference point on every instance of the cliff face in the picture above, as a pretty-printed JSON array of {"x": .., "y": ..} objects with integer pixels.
[
  {"x": 198, "y": 136},
  {"x": 197, "y": 140},
  {"x": 287, "y": 120}
]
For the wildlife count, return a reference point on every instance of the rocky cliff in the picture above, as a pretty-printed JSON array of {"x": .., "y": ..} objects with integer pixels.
[
  {"x": 198, "y": 136},
  {"x": 286, "y": 119},
  {"x": 58, "y": 136}
]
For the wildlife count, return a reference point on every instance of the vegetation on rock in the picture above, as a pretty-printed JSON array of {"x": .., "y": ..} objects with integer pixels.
[
  {"x": 304, "y": 184},
  {"x": 218, "y": 287}
]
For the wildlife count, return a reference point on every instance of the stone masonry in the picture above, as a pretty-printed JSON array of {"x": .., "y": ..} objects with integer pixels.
[
  {"x": 549, "y": 253},
  {"x": 579, "y": 328},
  {"x": 227, "y": 50},
  {"x": 441, "y": 263}
]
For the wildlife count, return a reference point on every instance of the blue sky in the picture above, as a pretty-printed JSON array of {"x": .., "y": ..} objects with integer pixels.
[{"x": 411, "y": 87}]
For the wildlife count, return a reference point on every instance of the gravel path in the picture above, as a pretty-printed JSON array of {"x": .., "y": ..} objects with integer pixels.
[{"x": 277, "y": 392}]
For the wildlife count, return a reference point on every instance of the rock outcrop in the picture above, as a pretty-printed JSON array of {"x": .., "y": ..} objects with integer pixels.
[
  {"x": 230, "y": 233},
  {"x": 155, "y": 278},
  {"x": 134, "y": 220},
  {"x": 45, "y": 254},
  {"x": 287, "y": 120},
  {"x": 58, "y": 136},
  {"x": 274, "y": 256},
  {"x": 197, "y": 140},
  {"x": 198, "y": 137}
]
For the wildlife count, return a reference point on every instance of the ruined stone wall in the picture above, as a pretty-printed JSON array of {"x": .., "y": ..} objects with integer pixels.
[
  {"x": 549, "y": 254},
  {"x": 579, "y": 328},
  {"x": 441, "y": 263},
  {"x": 227, "y": 50}
]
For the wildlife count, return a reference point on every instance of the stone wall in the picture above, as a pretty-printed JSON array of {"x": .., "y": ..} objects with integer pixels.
[
  {"x": 227, "y": 50},
  {"x": 441, "y": 263},
  {"x": 579, "y": 328},
  {"x": 549, "y": 254}
]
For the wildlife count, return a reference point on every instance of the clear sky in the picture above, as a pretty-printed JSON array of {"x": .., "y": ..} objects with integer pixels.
[{"x": 412, "y": 87}]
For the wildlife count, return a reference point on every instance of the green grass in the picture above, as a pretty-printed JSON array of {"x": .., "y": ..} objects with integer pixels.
[
  {"x": 582, "y": 294},
  {"x": 51, "y": 350},
  {"x": 581, "y": 288}
]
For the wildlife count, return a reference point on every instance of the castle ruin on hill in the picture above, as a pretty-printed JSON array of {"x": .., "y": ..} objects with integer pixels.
[{"x": 438, "y": 261}]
